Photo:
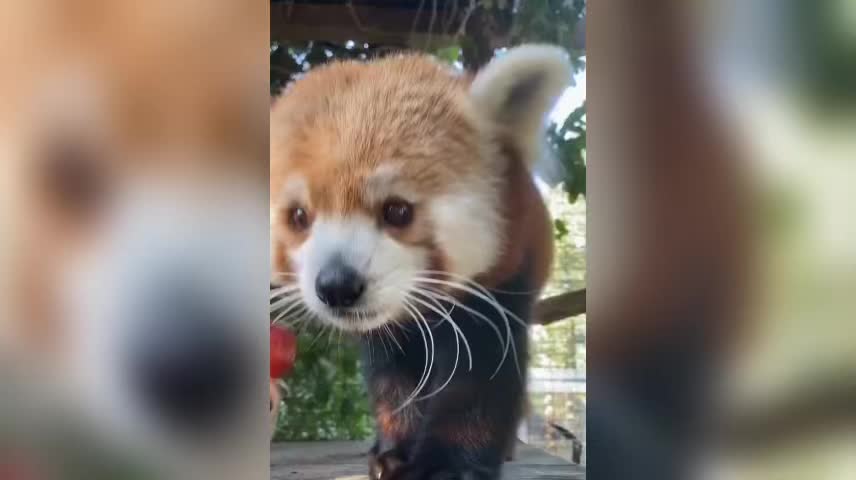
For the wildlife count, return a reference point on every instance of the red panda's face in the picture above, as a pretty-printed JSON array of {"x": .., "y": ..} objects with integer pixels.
[
  {"x": 386, "y": 183},
  {"x": 369, "y": 197}
]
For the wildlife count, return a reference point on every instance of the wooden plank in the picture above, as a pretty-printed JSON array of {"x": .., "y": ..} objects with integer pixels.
[
  {"x": 562, "y": 306},
  {"x": 347, "y": 461},
  {"x": 338, "y": 23}
]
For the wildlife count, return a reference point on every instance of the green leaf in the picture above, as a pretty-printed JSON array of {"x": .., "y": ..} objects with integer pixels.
[
  {"x": 561, "y": 229},
  {"x": 449, "y": 54}
]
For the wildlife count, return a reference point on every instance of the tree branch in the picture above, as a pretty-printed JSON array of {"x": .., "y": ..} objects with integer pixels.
[{"x": 553, "y": 309}]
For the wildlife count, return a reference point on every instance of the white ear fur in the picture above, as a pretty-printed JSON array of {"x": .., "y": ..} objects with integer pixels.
[{"x": 517, "y": 90}]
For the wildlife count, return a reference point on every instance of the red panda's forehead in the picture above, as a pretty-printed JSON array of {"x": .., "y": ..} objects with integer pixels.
[
  {"x": 330, "y": 187},
  {"x": 343, "y": 126}
]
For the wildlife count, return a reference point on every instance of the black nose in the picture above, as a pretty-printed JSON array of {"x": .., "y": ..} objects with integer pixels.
[
  {"x": 338, "y": 285},
  {"x": 191, "y": 370}
]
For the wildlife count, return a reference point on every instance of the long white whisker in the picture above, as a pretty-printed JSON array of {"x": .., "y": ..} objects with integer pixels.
[
  {"x": 282, "y": 311},
  {"x": 426, "y": 372},
  {"x": 458, "y": 336},
  {"x": 488, "y": 298},
  {"x": 428, "y": 292},
  {"x": 301, "y": 313},
  {"x": 414, "y": 314},
  {"x": 428, "y": 338},
  {"x": 507, "y": 343},
  {"x": 279, "y": 291},
  {"x": 296, "y": 306},
  {"x": 379, "y": 336},
  {"x": 284, "y": 299},
  {"x": 433, "y": 353},
  {"x": 448, "y": 318},
  {"x": 392, "y": 337},
  {"x": 479, "y": 292},
  {"x": 285, "y": 303},
  {"x": 468, "y": 280}
]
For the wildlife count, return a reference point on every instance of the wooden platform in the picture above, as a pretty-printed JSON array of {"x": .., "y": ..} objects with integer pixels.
[{"x": 347, "y": 461}]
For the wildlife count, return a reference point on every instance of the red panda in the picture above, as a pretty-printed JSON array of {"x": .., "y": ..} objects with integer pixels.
[
  {"x": 133, "y": 258},
  {"x": 403, "y": 209}
]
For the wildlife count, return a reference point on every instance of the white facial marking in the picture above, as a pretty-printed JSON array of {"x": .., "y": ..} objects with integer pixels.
[
  {"x": 385, "y": 182},
  {"x": 295, "y": 188},
  {"x": 387, "y": 267},
  {"x": 468, "y": 230}
]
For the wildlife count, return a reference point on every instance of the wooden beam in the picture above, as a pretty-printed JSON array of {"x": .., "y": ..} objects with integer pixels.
[
  {"x": 394, "y": 26},
  {"x": 818, "y": 407},
  {"x": 559, "y": 307}
]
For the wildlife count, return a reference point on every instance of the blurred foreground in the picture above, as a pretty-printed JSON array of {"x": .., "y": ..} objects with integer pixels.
[
  {"x": 133, "y": 262},
  {"x": 722, "y": 266}
]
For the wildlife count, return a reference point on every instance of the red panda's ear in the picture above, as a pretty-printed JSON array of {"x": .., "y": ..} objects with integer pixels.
[{"x": 517, "y": 90}]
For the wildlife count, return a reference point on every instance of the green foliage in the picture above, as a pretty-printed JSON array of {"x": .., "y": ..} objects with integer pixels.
[
  {"x": 450, "y": 55},
  {"x": 825, "y": 51},
  {"x": 569, "y": 142},
  {"x": 561, "y": 228},
  {"x": 326, "y": 399},
  {"x": 550, "y": 21},
  {"x": 561, "y": 345}
]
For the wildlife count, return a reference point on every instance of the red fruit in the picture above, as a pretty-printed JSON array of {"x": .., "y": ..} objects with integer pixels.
[{"x": 283, "y": 351}]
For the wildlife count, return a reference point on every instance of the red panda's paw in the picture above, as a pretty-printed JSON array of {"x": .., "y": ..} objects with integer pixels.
[{"x": 383, "y": 466}]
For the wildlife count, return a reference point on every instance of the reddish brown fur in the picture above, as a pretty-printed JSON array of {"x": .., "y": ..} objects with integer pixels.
[
  {"x": 529, "y": 230},
  {"x": 337, "y": 125},
  {"x": 391, "y": 425},
  {"x": 472, "y": 435}
]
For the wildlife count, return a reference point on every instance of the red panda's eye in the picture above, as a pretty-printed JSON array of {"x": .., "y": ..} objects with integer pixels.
[
  {"x": 298, "y": 219},
  {"x": 397, "y": 213}
]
